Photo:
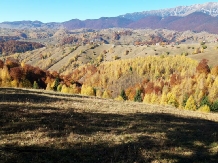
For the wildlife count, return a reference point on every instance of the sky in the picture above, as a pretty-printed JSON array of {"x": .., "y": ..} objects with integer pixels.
[{"x": 64, "y": 10}]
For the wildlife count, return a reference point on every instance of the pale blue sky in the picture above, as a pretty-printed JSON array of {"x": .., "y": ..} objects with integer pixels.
[{"x": 64, "y": 10}]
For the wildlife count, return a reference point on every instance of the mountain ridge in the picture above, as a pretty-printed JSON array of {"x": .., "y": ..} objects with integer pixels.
[
  {"x": 198, "y": 17},
  {"x": 210, "y": 8}
]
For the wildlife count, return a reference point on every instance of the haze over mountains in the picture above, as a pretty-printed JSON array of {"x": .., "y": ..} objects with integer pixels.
[{"x": 199, "y": 17}]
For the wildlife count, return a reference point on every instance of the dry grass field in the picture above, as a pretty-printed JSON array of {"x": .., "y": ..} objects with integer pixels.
[{"x": 37, "y": 126}]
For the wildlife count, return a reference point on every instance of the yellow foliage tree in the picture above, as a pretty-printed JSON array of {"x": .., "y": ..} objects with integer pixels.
[
  {"x": 74, "y": 89},
  {"x": 5, "y": 77},
  {"x": 106, "y": 94},
  {"x": 171, "y": 99},
  {"x": 48, "y": 87},
  {"x": 204, "y": 108},
  {"x": 147, "y": 98},
  {"x": 154, "y": 98},
  {"x": 190, "y": 104},
  {"x": 87, "y": 90},
  {"x": 14, "y": 83},
  {"x": 64, "y": 89},
  {"x": 163, "y": 100},
  {"x": 119, "y": 98},
  {"x": 99, "y": 93}
]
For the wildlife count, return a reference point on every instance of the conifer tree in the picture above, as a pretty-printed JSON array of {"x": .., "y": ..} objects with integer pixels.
[
  {"x": 106, "y": 94},
  {"x": 171, "y": 99},
  {"x": 48, "y": 87},
  {"x": 64, "y": 89},
  {"x": 204, "y": 108},
  {"x": 35, "y": 85},
  {"x": 190, "y": 104},
  {"x": 138, "y": 97},
  {"x": 123, "y": 95},
  {"x": 163, "y": 100},
  {"x": 147, "y": 98}
]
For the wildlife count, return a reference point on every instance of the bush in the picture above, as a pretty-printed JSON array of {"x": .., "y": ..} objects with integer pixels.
[{"x": 204, "y": 46}]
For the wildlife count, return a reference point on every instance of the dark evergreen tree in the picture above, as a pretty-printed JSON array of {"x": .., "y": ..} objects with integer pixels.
[
  {"x": 123, "y": 95},
  {"x": 57, "y": 82},
  {"x": 138, "y": 97}
]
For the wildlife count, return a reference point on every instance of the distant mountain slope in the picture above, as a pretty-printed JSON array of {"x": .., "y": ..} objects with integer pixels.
[
  {"x": 29, "y": 24},
  {"x": 199, "y": 17},
  {"x": 210, "y": 8},
  {"x": 196, "y": 22},
  {"x": 12, "y": 46},
  {"x": 102, "y": 23}
]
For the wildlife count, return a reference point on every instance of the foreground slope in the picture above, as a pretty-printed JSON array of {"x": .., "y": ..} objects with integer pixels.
[{"x": 49, "y": 127}]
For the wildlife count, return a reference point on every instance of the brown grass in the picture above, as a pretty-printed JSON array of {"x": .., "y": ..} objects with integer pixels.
[{"x": 39, "y": 126}]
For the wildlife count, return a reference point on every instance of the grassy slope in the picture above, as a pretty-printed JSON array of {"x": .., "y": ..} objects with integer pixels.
[
  {"x": 60, "y": 57},
  {"x": 48, "y": 127}
]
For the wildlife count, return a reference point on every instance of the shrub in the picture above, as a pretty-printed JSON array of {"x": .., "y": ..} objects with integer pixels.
[{"x": 204, "y": 46}]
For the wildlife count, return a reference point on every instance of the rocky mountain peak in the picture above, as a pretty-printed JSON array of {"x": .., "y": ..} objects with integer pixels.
[{"x": 210, "y": 8}]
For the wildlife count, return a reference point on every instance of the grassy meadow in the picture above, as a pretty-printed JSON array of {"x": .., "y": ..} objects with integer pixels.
[{"x": 43, "y": 126}]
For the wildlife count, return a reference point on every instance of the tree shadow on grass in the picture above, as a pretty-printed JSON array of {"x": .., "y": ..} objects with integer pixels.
[
  {"x": 16, "y": 95},
  {"x": 34, "y": 96},
  {"x": 163, "y": 137}
]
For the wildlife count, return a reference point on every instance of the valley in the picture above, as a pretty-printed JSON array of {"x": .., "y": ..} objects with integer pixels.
[{"x": 138, "y": 87}]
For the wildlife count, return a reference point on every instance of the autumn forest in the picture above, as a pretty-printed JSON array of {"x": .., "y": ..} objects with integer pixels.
[{"x": 164, "y": 80}]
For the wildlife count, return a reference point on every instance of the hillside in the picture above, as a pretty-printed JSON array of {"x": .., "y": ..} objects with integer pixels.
[
  {"x": 12, "y": 46},
  {"x": 67, "y": 49},
  {"x": 40, "y": 126}
]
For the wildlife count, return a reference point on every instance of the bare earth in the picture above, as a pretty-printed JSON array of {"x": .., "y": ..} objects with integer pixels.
[{"x": 38, "y": 126}]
